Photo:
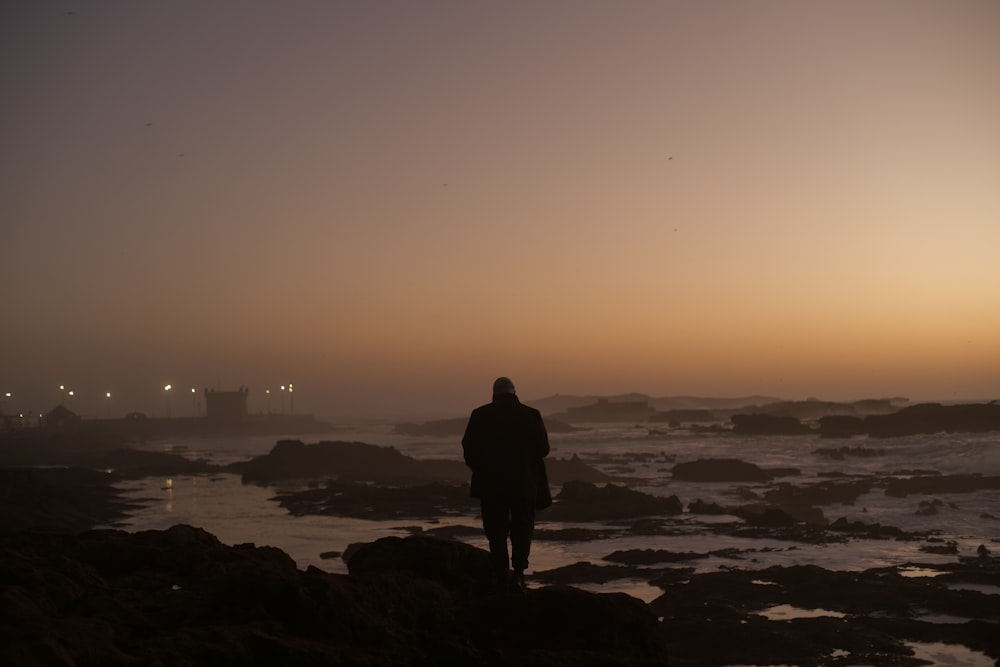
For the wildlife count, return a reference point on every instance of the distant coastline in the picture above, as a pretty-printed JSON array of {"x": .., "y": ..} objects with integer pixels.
[{"x": 138, "y": 426}]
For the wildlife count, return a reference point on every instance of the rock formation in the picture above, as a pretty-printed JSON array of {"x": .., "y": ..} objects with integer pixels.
[{"x": 180, "y": 597}]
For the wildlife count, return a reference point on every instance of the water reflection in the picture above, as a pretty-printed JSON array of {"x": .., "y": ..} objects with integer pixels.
[
  {"x": 949, "y": 655},
  {"x": 786, "y": 612}
]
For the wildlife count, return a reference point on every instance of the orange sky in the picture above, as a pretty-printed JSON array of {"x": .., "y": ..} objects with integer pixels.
[{"x": 389, "y": 204}]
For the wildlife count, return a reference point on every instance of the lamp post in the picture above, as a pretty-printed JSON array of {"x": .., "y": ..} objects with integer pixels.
[
  {"x": 267, "y": 400},
  {"x": 107, "y": 395},
  {"x": 282, "y": 399},
  {"x": 194, "y": 402},
  {"x": 166, "y": 389},
  {"x": 6, "y": 397},
  {"x": 291, "y": 399}
]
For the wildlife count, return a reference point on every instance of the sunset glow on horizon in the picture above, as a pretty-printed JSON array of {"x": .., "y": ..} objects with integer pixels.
[{"x": 391, "y": 204}]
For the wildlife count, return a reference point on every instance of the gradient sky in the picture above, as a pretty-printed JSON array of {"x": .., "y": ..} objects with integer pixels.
[{"x": 388, "y": 204}]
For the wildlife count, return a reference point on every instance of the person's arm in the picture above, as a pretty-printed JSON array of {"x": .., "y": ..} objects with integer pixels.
[
  {"x": 543, "y": 437},
  {"x": 471, "y": 442}
]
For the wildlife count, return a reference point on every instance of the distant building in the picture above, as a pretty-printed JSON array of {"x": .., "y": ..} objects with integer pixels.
[
  {"x": 61, "y": 417},
  {"x": 227, "y": 406}
]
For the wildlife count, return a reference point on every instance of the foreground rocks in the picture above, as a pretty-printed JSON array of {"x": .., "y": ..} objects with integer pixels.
[
  {"x": 58, "y": 499},
  {"x": 362, "y": 462},
  {"x": 806, "y": 615},
  {"x": 180, "y": 597}
]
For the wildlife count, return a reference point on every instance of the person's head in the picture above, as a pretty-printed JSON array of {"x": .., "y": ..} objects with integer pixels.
[{"x": 503, "y": 385}]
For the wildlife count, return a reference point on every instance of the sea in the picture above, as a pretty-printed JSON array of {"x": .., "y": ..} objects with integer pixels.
[{"x": 238, "y": 513}]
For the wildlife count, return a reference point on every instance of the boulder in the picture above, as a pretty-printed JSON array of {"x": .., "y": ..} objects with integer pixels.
[
  {"x": 719, "y": 470},
  {"x": 363, "y": 462},
  {"x": 841, "y": 426},
  {"x": 346, "y": 461},
  {"x": 935, "y": 418},
  {"x": 583, "y": 501},
  {"x": 758, "y": 424},
  {"x": 180, "y": 597},
  {"x": 938, "y": 484}
]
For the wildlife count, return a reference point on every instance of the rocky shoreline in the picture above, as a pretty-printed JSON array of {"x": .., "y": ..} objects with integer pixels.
[{"x": 77, "y": 596}]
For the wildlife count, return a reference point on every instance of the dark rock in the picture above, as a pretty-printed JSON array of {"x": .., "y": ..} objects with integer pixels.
[
  {"x": 564, "y": 625},
  {"x": 458, "y": 566},
  {"x": 699, "y": 506},
  {"x": 346, "y": 461},
  {"x": 761, "y": 515},
  {"x": 871, "y": 530},
  {"x": 719, "y": 470},
  {"x": 59, "y": 499},
  {"x": 935, "y": 418},
  {"x": 179, "y": 597},
  {"x": 949, "y": 548},
  {"x": 940, "y": 484},
  {"x": 561, "y": 471},
  {"x": 841, "y": 426},
  {"x": 684, "y": 415},
  {"x": 362, "y": 462},
  {"x": 441, "y": 428},
  {"x": 583, "y": 501},
  {"x": 715, "y": 618},
  {"x": 929, "y": 507},
  {"x": 800, "y": 501},
  {"x": 757, "y": 424}
]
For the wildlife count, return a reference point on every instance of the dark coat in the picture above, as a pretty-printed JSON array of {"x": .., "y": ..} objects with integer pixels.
[{"x": 504, "y": 444}]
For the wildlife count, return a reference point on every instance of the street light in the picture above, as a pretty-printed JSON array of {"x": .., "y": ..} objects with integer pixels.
[
  {"x": 267, "y": 400},
  {"x": 291, "y": 400},
  {"x": 107, "y": 395},
  {"x": 194, "y": 402},
  {"x": 167, "y": 389}
]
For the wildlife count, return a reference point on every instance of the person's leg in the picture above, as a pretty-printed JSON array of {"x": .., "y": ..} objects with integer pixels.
[
  {"x": 496, "y": 525},
  {"x": 522, "y": 526}
]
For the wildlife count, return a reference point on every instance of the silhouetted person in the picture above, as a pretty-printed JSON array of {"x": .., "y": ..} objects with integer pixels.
[{"x": 504, "y": 444}]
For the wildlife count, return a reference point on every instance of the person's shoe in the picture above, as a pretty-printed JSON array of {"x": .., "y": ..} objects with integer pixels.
[
  {"x": 501, "y": 582},
  {"x": 517, "y": 582}
]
